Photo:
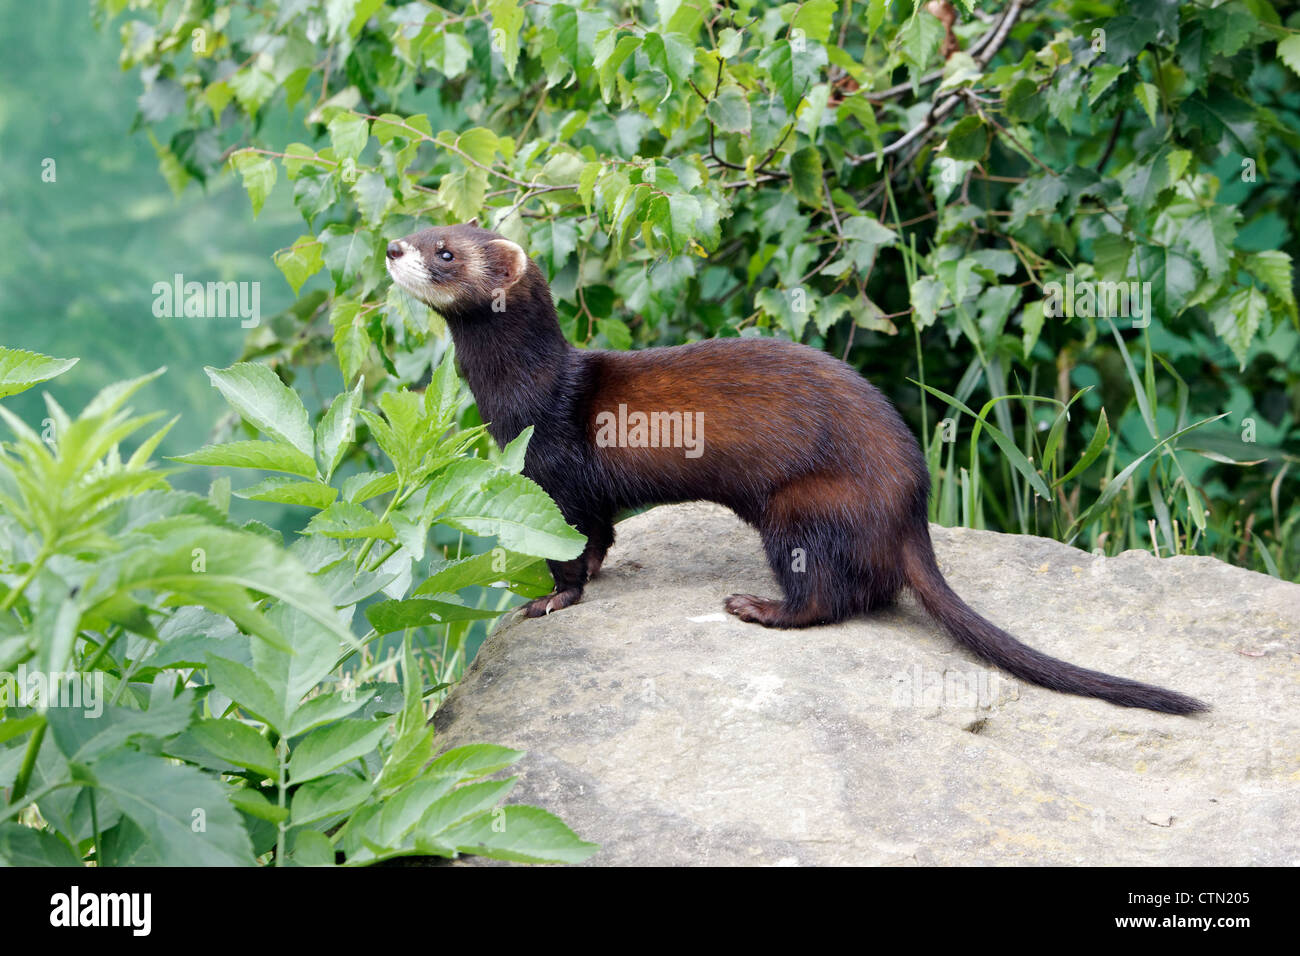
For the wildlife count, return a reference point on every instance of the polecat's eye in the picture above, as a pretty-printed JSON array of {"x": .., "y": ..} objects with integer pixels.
[{"x": 445, "y": 256}]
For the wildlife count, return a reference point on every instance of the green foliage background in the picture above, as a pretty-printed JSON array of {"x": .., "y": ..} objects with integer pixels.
[{"x": 816, "y": 171}]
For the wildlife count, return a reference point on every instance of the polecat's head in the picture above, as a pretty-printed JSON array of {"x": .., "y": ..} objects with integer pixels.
[{"x": 456, "y": 267}]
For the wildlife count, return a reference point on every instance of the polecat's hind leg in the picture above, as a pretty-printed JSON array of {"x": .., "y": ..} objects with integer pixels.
[
  {"x": 598, "y": 544},
  {"x": 772, "y": 613},
  {"x": 813, "y": 560}
]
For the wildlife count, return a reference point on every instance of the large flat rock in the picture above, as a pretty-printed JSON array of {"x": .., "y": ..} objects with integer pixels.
[{"x": 671, "y": 733}]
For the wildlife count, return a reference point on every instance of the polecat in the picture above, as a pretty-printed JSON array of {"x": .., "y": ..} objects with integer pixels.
[{"x": 791, "y": 439}]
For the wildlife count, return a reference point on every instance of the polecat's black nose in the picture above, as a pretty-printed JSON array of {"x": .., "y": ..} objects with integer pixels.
[{"x": 394, "y": 250}]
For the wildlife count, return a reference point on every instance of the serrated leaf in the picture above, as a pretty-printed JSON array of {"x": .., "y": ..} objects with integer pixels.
[
  {"x": 511, "y": 507},
  {"x": 968, "y": 140},
  {"x": 287, "y": 491},
  {"x": 521, "y": 834},
  {"x": 327, "y": 796},
  {"x": 1149, "y": 96},
  {"x": 346, "y": 519},
  {"x": 236, "y": 743},
  {"x": 1273, "y": 268},
  {"x": 258, "y": 173},
  {"x": 1238, "y": 319},
  {"x": 336, "y": 430},
  {"x": 349, "y": 134},
  {"x": 1288, "y": 51},
  {"x": 333, "y": 746},
  {"x": 729, "y": 110},
  {"x": 20, "y": 369},
  {"x": 927, "y": 294},
  {"x": 507, "y": 18},
  {"x": 161, "y": 799},
  {"x": 1103, "y": 77},
  {"x": 265, "y": 402},
  {"x": 300, "y": 261},
  {"x": 266, "y": 455},
  {"x": 806, "y": 175}
]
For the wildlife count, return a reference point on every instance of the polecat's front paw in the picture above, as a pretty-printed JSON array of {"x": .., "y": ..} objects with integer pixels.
[{"x": 539, "y": 607}]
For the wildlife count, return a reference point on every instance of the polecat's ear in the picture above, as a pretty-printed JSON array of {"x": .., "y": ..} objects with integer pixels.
[{"x": 507, "y": 262}]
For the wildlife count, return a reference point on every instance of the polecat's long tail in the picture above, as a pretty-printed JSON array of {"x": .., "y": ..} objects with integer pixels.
[{"x": 998, "y": 647}]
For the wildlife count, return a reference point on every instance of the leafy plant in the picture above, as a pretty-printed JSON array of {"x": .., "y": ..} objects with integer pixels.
[
  {"x": 180, "y": 688},
  {"x": 823, "y": 171}
]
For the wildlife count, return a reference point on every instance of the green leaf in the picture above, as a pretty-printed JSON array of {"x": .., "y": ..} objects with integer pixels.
[
  {"x": 236, "y": 743},
  {"x": 1031, "y": 322},
  {"x": 300, "y": 261},
  {"x": 507, "y": 18},
  {"x": 1024, "y": 103},
  {"x": 1103, "y": 77},
  {"x": 26, "y": 846},
  {"x": 245, "y": 688},
  {"x": 265, "y": 402},
  {"x": 512, "y": 507},
  {"x": 336, "y": 431},
  {"x": 969, "y": 139},
  {"x": 814, "y": 18},
  {"x": 523, "y": 573},
  {"x": 328, "y": 796},
  {"x": 463, "y": 192},
  {"x": 373, "y": 196},
  {"x": 671, "y": 54},
  {"x": 1100, "y": 438},
  {"x": 729, "y": 110},
  {"x": 346, "y": 519},
  {"x": 20, "y": 370},
  {"x": 1210, "y": 233},
  {"x": 928, "y": 295},
  {"x": 286, "y": 491},
  {"x": 792, "y": 72},
  {"x": 919, "y": 39},
  {"x": 1288, "y": 51},
  {"x": 521, "y": 834},
  {"x": 324, "y": 708},
  {"x": 349, "y": 134},
  {"x": 1238, "y": 319},
  {"x": 267, "y": 455},
  {"x": 1111, "y": 255},
  {"x": 213, "y": 566},
  {"x": 515, "y": 453},
  {"x": 258, "y": 173},
  {"x": 1149, "y": 96},
  {"x": 676, "y": 216},
  {"x": 256, "y": 805},
  {"x": 166, "y": 803},
  {"x": 1273, "y": 268},
  {"x": 1116, "y": 484},
  {"x": 351, "y": 341},
  {"x": 473, "y": 761},
  {"x": 1034, "y": 195},
  {"x": 448, "y": 53},
  {"x": 332, "y": 746},
  {"x": 1179, "y": 159},
  {"x": 1008, "y": 447},
  {"x": 252, "y": 88},
  {"x": 456, "y": 807},
  {"x": 806, "y": 175},
  {"x": 389, "y": 616},
  {"x": 311, "y": 848}
]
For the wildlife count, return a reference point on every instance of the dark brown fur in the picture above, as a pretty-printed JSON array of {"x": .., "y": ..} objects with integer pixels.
[{"x": 795, "y": 442}]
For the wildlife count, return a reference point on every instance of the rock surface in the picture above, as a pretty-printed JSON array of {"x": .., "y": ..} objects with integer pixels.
[{"x": 671, "y": 733}]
